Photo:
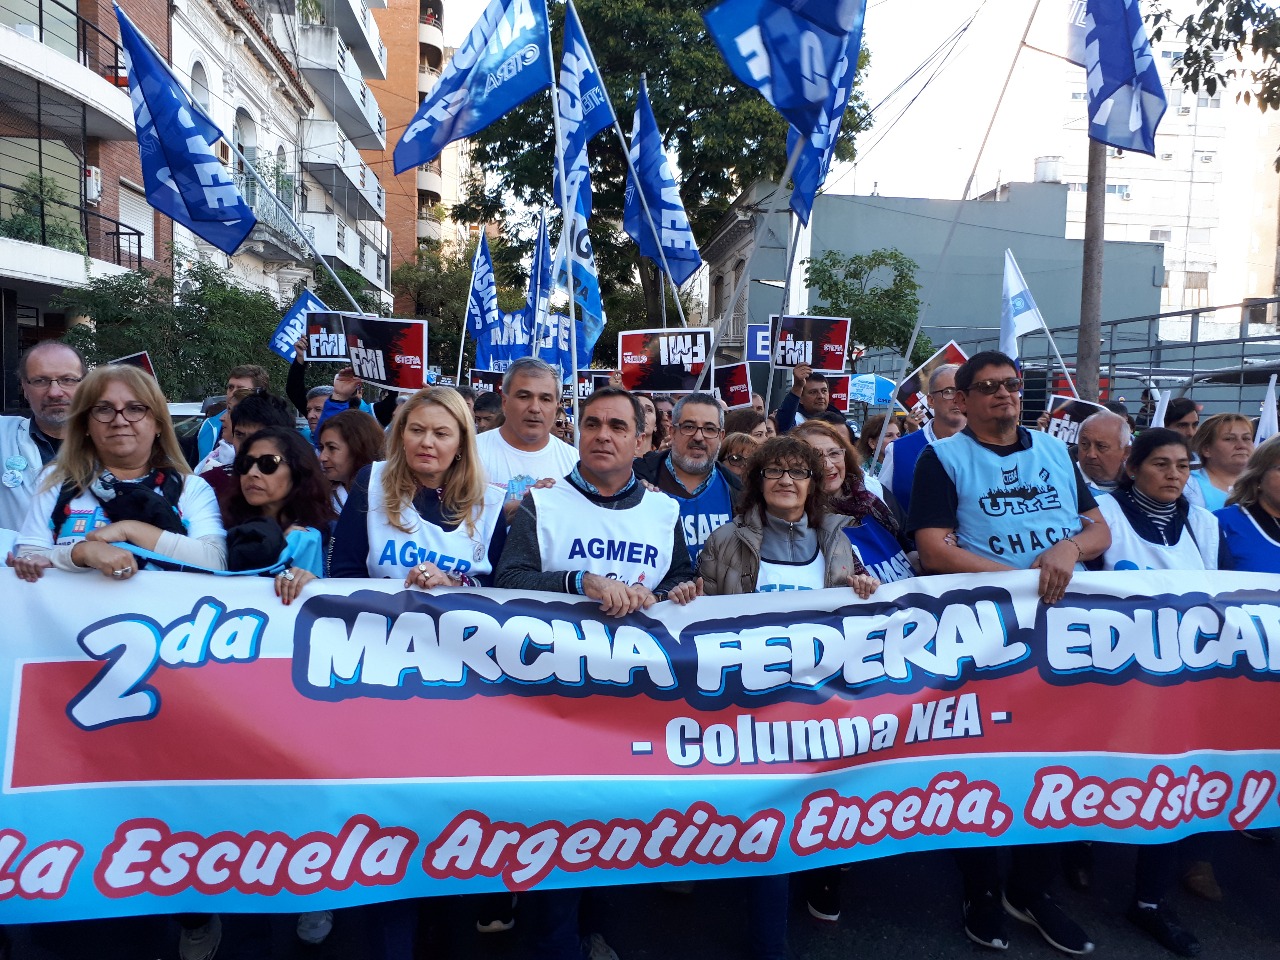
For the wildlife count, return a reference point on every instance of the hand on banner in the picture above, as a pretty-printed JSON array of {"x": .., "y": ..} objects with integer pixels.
[
  {"x": 289, "y": 583},
  {"x": 1042, "y": 422},
  {"x": 919, "y": 416},
  {"x": 799, "y": 375},
  {"x": 864, "y": 585},
  {"x": 1056, "y": 566},
  {"x": 617, "y": 599},
  {"x": 682, "y": 593},
  {"x": 29, "y": 568},
  {"x": 428, "y": 575},
  {"x": 346, "y": 385},
  {"x": 106, "y": 558},
  {"x": 615, "y": 378}
]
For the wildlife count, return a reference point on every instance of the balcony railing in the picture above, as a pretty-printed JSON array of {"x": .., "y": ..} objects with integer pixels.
[
  {"x": 26, "y": 215},
  {"x": 59, "y": 27},
  {"x": 269, "y": 213}
]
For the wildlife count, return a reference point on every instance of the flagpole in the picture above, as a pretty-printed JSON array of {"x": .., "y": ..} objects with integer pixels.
[
  {"x": 566, "y": 230},
  {"x": 1065, "y": 372},
  {"x": 792, "y": 240},
  {"x": 462, "y": 336}
]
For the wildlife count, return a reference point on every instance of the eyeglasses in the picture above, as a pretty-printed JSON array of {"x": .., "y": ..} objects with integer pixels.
[
  {"x": 795, "y": 473},
  {"x": 106, "y": 413},
  {"x": 946, "y": 393},
  {"x": 831, "y": 456},
  {"x": 689, "y": 429},
  {"x": 736, "y": 458},
  {"x": 44, "y": 383},
  {"x": 989, "y": 388},
  {"x": 267, "y": 464}
]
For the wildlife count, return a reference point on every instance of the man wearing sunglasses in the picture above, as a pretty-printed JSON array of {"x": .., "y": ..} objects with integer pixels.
[
  {"x": 994, "y": 497},
  {"x": 899, "y": 466},
  {"x": 688, "y": 472},
  {"x": 50, "y": 372}
]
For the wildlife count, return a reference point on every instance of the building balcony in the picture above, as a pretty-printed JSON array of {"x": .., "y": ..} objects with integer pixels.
[
  {"x": 46, "y": 41},
  {"x": 275, "y": 238},
  {"x": 343, "y": 245},
  {"x": 331, "y": 70},
  {"x": 335, "y": 163},
  {"x": 429, "y": 179},
  {"x": 430, "y": 32},
  {"x": 359, "y": 30},
  {"x": 429, "y": 226}
]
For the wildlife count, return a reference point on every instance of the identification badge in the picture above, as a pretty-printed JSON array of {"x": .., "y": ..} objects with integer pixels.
[{"x": 478, "y": 553}]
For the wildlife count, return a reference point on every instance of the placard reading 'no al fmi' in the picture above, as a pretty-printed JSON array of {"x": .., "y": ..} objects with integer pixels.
[
  {"x": 820, "y": 342},
  {"x": 664, "y": 361}
]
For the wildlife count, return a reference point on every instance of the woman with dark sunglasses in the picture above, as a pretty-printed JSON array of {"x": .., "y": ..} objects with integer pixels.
[
  {"x": 280, "y": 509},
  {"x": 784, "y": 539}
]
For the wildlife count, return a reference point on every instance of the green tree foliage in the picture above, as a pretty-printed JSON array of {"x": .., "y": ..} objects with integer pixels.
[
  {"x": 878, "y": 290},
  {"x": 41, "y": 214},
  {"x": 722, "y": 135},
  {"x": 193, "y": 336}
]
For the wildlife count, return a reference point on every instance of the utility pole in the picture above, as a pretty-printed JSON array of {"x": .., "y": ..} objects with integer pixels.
[{"x": 1089, "y": 340}]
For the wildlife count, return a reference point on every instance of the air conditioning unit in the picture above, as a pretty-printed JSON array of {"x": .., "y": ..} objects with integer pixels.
[
  {"x": 1184, "y": 111},
  {"x": 1206, "y": 158},
  {"x": 1166, "y": 156},
  {"x": 1126, "y": 195},
  {"x": 224, "y": 153},
  {"x": 92, "y": 184}
]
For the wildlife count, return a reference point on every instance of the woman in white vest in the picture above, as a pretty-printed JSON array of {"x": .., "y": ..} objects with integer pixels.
[
  {"x": 784, "y": 539},
  {"x": 1153, "y": 527},
  {"x": 426, "y": 515}
]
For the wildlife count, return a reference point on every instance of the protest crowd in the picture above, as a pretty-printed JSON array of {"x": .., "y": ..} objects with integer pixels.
[{"x": 441, "y": 489}]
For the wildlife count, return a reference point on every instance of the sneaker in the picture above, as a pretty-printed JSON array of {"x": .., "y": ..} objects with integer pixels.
[
  {"x": 497, "y": 913},
  {"x": 1058, "y": 930},
  {"x": 315, "y": 926},
  {"x": 823, "y": 901},
  {"x": 984, "y": 922},
  {"x": 594, "y": 948},
  {"x": 1165, "y": 928},
  {"x": 1200, "y": 880},
  {"x": 202, "y": 942}
]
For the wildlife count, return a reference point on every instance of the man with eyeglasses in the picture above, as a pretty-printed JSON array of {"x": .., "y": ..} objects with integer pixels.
[
  {"x": 994, "y": 497},
  {"x": 688, "y": 472},
  {"x": 899, "y": 466},
  {"x": 50, "y": 372},
  {"x": 248, "y": 376}
]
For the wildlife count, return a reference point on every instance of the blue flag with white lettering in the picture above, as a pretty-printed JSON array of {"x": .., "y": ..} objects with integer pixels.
[
  {"x": 811, "y": 168},
  {"x": 500, "y": 337},
  {"x": 586, "y": 281},
  {"x": 663, "y": 195},
  {"x": 182, "y": 177},
  {"x": 538, "y": 302},
  {"x": 1126, "y": 98},
  {"x": 504, "y": 61},
  {"x": 294, "y": 325},
  {"x": 787, "y": 51},
  {"x": 584, "y": 111}
]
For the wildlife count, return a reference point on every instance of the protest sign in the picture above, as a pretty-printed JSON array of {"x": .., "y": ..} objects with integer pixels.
[
  {"x": 327, "y": 337},
  {"x": 294, "y": 326},
  {"x": 485, "y": 381},
  {"x": 387, "y": 352},
  {"x": 663, "y": 361},
  {"x": 733, "y": 385},
  {"x": 141, "y": 360},
  {"x": 821, "y": 342},
  {"x": 838, "y": 390},
  {"x": 913, "y": 392},
  {"x": 186, "y": 743},
  {"x": 1065, "y": 416}
]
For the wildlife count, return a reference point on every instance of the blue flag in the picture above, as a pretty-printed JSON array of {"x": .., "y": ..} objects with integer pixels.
[
  {"x": 500, "y": 337},
  {"x": 538, "y": 302},
  {"x": 1126, "y": 99},
  {"x": 663, "y": 195},
  {"x": 787, "y": 51},
  {"x": 1019, "y": 314},
  {"x": 182, "y": 177},
  {"x": 586, "y": 282},
  {"x": 811, "y": 168},
  {"x": 504, "y": 61},
  {"x": 584, "y": 111},
  {"x": 294, "y": 325}
]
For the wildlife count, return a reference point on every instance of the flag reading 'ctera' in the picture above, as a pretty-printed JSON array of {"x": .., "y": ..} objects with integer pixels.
[
  {"x": 504, "y": 61},
  {"x": 663, "y": 196},
  {"x": 1126, "y": 99},
  {"x": 182, "y": 177}
]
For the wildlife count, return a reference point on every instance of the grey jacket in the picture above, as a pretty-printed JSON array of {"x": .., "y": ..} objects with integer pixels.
[
  {"x": 730, "y": 560},
  {"x": 16, "y": 446}
]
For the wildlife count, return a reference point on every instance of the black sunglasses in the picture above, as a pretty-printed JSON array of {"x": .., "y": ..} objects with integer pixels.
[{"x": 267, "y": 464}]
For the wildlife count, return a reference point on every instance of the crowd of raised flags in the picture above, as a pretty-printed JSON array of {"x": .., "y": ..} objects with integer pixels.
[{"x": 801, "y": 56}]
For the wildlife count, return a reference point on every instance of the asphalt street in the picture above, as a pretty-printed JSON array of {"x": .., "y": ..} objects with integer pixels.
[{"x": 901, "y": 908}]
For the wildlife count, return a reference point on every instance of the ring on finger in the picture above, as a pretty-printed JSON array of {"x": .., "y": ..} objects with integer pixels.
[
  {"x": 117, "y": 573},
  {"x": 288, "y": 575}
]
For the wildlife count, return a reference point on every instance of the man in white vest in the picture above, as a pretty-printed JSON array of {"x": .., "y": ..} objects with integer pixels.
[
  {"x": 50, "y": 373},
  {"x": 996, "y": 497},
  {"x": 600, "y": 533},
  {"x": 522, "y": 451}
]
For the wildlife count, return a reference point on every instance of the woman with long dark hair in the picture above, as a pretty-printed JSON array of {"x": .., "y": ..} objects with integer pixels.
[{"x": 348, "y": 442}]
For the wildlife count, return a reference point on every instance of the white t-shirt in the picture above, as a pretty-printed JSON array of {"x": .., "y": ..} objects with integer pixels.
[{"x": 514, "y": 471}]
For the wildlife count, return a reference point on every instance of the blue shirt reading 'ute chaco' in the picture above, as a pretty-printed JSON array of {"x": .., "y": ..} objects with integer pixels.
[{"x": 1009, "y": 506}]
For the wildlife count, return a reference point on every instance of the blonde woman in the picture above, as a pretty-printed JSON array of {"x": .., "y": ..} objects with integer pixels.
[
  {"x": 426, "y": 514},
  {"x": 120, "y": 480}
]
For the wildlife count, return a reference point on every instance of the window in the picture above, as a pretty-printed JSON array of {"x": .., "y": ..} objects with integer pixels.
[
  {"x": 1161, "y": 236},
  {"x": 137, "y": 213},
  {"x": 362, "y": 251},
  {"x": 342, "y": 235},
  {"x": 1118, "y": 189},
  {"x": 1195, "y": 291},
  {"x": 200, "y": 85},
  {"x": 1199, "y": 237},
  {"x": 1079, "y": 95},
  {"x": 1212, "y": 102}
]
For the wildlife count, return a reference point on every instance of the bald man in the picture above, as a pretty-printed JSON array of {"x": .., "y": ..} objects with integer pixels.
[{"x": 1103, "y": 445}]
